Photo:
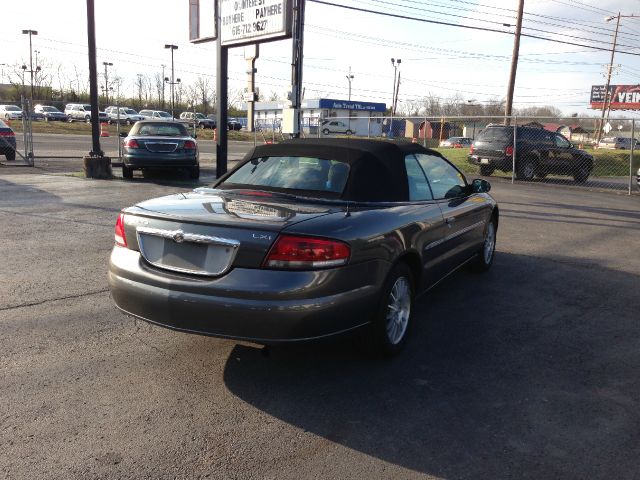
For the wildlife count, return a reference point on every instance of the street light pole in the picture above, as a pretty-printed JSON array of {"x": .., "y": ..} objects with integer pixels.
[
  {"x": 349, "y": 78},
  {"x": 607, "y": 97},
  {"x": 163, "y": 65},
  {"x": 30, "y": 33},
  {"x": 106, "y": 82},
  {"x": 172, "y": 48}
]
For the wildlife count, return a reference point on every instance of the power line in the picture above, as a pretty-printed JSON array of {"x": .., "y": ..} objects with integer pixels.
[{"x": 471, "y": 27}]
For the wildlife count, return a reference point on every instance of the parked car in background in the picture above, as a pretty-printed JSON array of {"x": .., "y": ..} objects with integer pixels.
[
  {"x": 50, "y": 113},
  {"x": 234, "y": 124},
  {"x": 126, "y": 115},
  {"x": 456, "y": 142},
  {"x": 81, "y": 112},
  {"x": 159, "y": 144},
  {"x": 335, "y": 126},
  {"x": 155, "y": 115},
  {"x": 197, "y": 119},
  {"x": 618, "y": 143},
  {"x": 539, "y": 152},
  {"x": 303, "y": 240},
  {"x": 10, "y": 112},
  {"x": 7, "y": 141}
]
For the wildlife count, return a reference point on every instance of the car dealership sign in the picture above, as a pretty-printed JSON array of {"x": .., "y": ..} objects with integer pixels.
[
  {"x": 254, "y": 21},
  {"x": 622, "y": 97}
]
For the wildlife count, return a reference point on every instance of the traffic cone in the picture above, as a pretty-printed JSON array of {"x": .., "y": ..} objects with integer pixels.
[
  {"x": 104, "y": 130},
  {"x": 215, "y": 134}
]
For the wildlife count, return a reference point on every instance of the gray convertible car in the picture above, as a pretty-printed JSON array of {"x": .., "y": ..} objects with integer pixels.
[{"x": 304, "y": 240}]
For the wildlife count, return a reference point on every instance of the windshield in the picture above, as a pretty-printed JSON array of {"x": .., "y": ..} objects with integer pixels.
[
  {"x": 131, "y": 111},
  {"x": 164, "y": 114},
  {"x": 495, "y": 134},
  {"x": 199, "y": 115},
  {"x": 50, "y": 109},
  {"x": 292, "y": 173},
  {"x": 11, "y": 108},
  {"x": 159, "y": 129}
]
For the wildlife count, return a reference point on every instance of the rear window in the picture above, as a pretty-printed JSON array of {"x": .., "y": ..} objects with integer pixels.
[
  {"x": 164, "y": 129},
  {"x": 11, "y": 108},
  {"x": 496, "y": 135},
  {"x": 292, "y": 173}
]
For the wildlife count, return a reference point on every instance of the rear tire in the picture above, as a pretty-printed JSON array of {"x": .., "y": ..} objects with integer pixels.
[
  {"x": 486, "y": 170},
  {"x": 325, "y": 131},
  {"x": 349, "y": 132},
  {"x": 194, "y": 172},
  {"x": 526, "y": 170},
  {"x": 581, "y": 175},
  {"x": 127, "y": 172},
  {"x": 387, "y": 334}
]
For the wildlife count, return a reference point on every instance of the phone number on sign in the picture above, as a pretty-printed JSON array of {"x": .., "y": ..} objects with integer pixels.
[{"x": 245, "y": 28}]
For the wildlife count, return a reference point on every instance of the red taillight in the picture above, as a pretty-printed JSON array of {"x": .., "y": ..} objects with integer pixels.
[
  {"x": 189, "y": 145},
  {"x": 131, "y": 143},
  {"x": 307, "y": 253},
  {"x": 508, "y": 150},
  {"x": 471, "y": 149},
  {"x": 120, "y": 237},
  {"x": 7, "y": 134}
]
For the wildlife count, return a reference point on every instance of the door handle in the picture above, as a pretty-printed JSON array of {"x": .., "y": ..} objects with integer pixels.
[{"x": 450, "y": 220}]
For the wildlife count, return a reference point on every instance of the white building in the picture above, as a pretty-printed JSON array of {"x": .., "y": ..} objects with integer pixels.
[{"x": 362, "y": 118}]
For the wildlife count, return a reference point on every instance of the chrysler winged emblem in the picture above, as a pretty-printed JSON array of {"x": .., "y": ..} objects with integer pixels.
[{"x": 178, "y": 237}]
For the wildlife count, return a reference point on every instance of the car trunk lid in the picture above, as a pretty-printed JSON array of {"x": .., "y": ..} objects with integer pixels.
[{"x": 207, "y": 232}]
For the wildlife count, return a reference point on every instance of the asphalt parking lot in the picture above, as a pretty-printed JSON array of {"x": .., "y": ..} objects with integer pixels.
[{"x": 528, "y": 371}]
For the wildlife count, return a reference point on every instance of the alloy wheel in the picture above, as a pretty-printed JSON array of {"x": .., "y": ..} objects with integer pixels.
[
  {"x": 398, "y": 310},
  {"x": 489, "y": 243}
]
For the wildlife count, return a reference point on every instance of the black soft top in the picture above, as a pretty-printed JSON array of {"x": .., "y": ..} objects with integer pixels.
[{"x": 377, "y": 168}]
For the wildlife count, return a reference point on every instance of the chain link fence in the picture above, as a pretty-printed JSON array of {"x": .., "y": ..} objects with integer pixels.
[{"x": 530, "y": 149}]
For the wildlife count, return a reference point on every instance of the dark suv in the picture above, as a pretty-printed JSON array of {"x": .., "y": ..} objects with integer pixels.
[{"x": 538, "y": 152}]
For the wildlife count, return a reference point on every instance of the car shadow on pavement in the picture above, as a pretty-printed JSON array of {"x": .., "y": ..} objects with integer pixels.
[{"x": 528, "y": 371}]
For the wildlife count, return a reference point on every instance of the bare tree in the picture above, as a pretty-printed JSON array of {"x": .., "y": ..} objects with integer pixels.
[{"x": 205, "y": 92}]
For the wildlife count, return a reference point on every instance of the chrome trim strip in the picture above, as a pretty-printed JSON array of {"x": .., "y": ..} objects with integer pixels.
[
  {"x": 453, "y": 235},
  {"x": 188, "y": 237}
]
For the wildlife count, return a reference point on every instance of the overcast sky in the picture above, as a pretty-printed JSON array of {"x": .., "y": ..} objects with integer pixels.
[{"x": 436, "y": 60}]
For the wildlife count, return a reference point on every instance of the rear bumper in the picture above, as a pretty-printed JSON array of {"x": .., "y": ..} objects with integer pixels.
[
  {"x": 168, "y": 161},
  {"x": 501, "y": 163},
  {"x": 262, "y": 306}
]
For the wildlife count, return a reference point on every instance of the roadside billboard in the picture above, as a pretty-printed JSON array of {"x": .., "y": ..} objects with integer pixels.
[
  {"x": 254, "y": 21},
  {"x": 623, "y": 97}
]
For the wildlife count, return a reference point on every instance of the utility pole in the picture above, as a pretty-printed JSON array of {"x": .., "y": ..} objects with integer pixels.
[
  {"x": 395, "y": 100},
  {"x": 106, "y": 82},
  {"x": 296, "y": 65},
  {"x": 607, "y": 96},
  {"x": 173, "y": 82},
  {"x": 96, "y": 165},
  {"x": 396, "y": 64},
  {"x": 30, "y": 33},
  {"x": 514, "y": 64}
]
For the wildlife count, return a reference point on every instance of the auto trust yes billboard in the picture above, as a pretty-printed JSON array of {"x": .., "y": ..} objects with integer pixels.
[
  {"x": 622, "y": 97},
  {"x": 254, "y": 21}
]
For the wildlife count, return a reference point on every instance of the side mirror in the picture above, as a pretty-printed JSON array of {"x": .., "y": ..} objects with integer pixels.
[
  {"x": 480, "y": 186},
  {"x": 123, "y": 134}
]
